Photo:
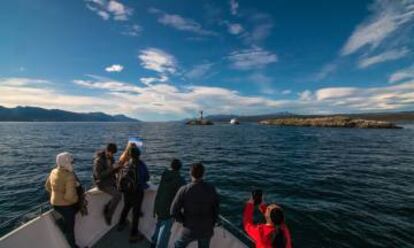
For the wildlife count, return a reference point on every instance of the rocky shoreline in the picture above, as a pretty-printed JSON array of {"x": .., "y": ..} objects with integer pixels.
[{"x": 336, "y": 121}]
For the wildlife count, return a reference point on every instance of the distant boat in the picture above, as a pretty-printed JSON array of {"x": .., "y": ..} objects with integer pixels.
[{"x": 234, "y": 121}]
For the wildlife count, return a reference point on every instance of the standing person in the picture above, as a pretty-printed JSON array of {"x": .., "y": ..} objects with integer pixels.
[
  {"x": 196, "y": 205},
  {"x": 104, "y": 173},
  {"x": 133, "y": 183},
  {"x": 125, "y": 157},
  {"x": 61, "y": 184},
  {"x": 171, "y": 181},
  {"x": 272, "y": 234}
]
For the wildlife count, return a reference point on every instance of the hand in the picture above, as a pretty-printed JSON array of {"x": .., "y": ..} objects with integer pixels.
[{"x": 250, "y": 200}]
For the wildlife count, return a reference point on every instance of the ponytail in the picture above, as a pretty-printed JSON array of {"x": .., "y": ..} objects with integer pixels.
[{"x": 278, "y": 238}]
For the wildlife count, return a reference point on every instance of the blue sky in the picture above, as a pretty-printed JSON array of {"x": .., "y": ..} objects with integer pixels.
[{"x": 166, "y": 60}]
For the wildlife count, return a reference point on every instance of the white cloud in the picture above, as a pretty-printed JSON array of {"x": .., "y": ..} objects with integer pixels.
[
  {"x": 383, "y": 57},
  {"x": 40, "y": 93},
  {"x": 325, "y": 71},
  {"x": 407, "y": 73},
  {"x": 387, "y": 17},
  {"x": 157, "y": 60},
  {"x": 148, "y": 81},
  {"x": 305, "y": 95},
  {"x": 234, "y": 5},
  {"x": 358, "y": 99},
  {"x": 332, "y": 93},
  {"x": 132, "y": 30},
  {"x": 262, "y": 27},
  {"x": 234, "y": 28},
  {"x": 199, "y": 71},
  {"x": 114, "y": 68},
  {"x": 167, "y": 101},
  {"x": 110, "y": 9},
  {"x": 286, "y": 92},
  {"x": 180, "y": 23},
  {"x": 253, "y": 58}
]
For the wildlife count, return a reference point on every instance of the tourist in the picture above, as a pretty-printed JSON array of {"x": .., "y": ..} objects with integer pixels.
[
  {"x": 273, "y": 233},
  {"x": 61, "y": 184},
  {"x": 133, "y": 182},
  {"x": 196, "y": 206},
  {"x": 125, "y": 157},
  {"x": 104, "y": 172},
  {"x": 171, "y": 181}
]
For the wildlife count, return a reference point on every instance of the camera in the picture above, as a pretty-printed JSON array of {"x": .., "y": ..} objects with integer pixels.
[{"x": 257, "y": 196}]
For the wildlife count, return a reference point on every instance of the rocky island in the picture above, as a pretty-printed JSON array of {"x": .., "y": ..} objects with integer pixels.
[
  {"x": 199, "y": 121},
  {"x": 334, "y": 121}
]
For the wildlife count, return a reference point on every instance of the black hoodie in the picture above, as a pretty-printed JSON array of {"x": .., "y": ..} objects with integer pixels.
[{"x": 171, "y": 181}]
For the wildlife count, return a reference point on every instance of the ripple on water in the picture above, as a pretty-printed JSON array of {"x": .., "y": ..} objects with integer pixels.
[{"x": 338, "y": 187}]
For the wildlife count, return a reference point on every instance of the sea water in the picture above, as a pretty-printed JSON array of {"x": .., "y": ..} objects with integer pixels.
[{"x": 338, "y": 187}]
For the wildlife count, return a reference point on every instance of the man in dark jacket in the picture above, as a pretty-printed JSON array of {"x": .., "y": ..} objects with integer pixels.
[
  {"x": 171, "y": 181},
  {"x": 133, "y": 182},
  {"x": 104, "y": 178},
  {"x": 196, "y": 205}
]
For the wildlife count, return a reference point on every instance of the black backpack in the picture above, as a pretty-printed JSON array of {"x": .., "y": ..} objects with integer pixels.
[{"x": 127, "y": 182}]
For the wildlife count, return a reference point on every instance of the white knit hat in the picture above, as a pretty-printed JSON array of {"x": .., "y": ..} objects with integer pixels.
[{"x": 64, "y": 160}]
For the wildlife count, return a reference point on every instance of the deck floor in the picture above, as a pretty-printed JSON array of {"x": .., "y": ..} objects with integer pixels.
[{"x": 114, "y": 238}]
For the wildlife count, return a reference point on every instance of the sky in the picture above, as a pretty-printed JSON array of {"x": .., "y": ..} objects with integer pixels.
[{"x": 159, "y": 60}]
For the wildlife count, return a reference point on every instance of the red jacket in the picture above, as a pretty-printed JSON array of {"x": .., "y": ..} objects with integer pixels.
[{"x": 262, "y": 233}]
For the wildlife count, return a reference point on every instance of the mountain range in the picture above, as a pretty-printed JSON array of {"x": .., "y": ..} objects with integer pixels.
[{"x": 34, "y": 114}]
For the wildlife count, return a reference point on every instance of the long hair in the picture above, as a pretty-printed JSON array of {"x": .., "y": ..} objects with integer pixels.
[
  {"x": 125, "y": 157},
  {"x": 278, "y": 218},
  {"x": 134, "y": 154}
]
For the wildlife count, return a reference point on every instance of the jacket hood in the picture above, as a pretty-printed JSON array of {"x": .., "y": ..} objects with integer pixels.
[{"x": 64, "y": 161}]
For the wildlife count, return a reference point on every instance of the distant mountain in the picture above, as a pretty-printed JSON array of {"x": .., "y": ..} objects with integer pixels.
[
  {"x": 55, "y": 115},
  {"x": 247, "y": 118}
]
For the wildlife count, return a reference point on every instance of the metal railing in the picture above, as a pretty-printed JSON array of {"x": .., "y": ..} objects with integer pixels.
[
  {"x": 236, "y": 231},
  {"x": 23, "y": 217}
]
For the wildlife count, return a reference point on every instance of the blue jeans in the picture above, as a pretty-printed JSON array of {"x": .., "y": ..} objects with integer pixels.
[
  {"x": 185, "y": 239},
  {"x": 162, "y": 233}
]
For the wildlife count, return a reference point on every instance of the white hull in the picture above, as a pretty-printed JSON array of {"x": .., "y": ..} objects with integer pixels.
[{"x": 43, "y": 232}]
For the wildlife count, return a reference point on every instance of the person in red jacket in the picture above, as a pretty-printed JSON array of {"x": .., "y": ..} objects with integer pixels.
[{"x": 273, "y": 233}]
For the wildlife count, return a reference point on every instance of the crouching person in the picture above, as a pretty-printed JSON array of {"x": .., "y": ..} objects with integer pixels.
[
  {"x": 171, "y": 181},
  {"x": 272, "y": 234},
  {"x": 133, "y": 182},
  {"x": 61, "y": 184},
  {"x": 196, "y": 205}
]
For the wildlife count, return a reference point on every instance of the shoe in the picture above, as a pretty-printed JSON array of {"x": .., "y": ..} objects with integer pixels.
[{"x": 108, "y": 218}]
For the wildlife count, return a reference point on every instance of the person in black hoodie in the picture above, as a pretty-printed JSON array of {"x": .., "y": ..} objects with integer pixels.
[
  {"x": 171, "y": 181},
  {"x": 196, "y": 205},
  {"x": 132, "y": 183}
]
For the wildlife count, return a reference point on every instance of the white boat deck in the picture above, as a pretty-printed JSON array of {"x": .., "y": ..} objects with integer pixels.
[
  {"x": 91, "y": 230},
  {"x": 115, "y": 238}
]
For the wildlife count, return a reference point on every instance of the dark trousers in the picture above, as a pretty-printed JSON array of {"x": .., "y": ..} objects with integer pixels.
[
  {"x": 113, "y": 203},
  {"x": 185, "y": 239},
  {"x": 134, "y": 201},
  {"x": 68, "y": 214}
]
